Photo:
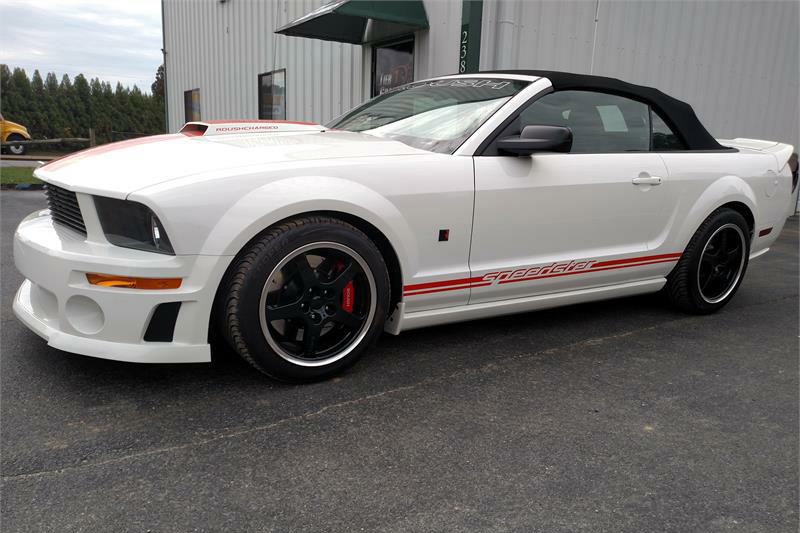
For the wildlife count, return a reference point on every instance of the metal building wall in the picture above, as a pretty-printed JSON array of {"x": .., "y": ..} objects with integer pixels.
[
  {"x": 735, "y": 62},
  {"x": 436, "y": 49},
  {"x": 221, "y": 48}
]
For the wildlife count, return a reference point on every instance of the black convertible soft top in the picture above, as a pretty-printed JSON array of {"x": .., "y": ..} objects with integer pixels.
[{"x": 678, "y": 115}]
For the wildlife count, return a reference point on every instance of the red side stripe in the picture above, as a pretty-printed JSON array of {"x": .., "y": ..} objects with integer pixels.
[
  {"x": 447, "y": 289},
  {"x": 461, "y": 281},
  {"x": 585, "y": 271},
  {"x": 635, "y": 260},
  {"x": 466, "y": 283}
]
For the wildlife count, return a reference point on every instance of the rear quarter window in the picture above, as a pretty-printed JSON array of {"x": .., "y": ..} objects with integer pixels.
[{"x": 663, "y": 138}]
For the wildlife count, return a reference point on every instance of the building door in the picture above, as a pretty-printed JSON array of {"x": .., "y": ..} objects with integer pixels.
[
  {"x": 272, "y": 95},
  {"x": 392, "y": 65},
  {"x": 191, "y": 105}
]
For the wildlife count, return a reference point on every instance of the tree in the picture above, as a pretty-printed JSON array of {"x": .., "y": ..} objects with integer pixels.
[
  {"x": 18, "y": 95},
  {"x": 54, "y": 113},
  {"x": 5, "y": 78},
  {"x": 51, "y": 109},
  {"x": 157, "y": 87},
  {"x": 84, "y": 110},
  {"x": 66, "y": 101},
  {"x": 38, "y": 115}
]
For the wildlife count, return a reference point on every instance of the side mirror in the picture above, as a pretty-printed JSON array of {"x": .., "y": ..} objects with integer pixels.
[{"x": 537, "y": 139}]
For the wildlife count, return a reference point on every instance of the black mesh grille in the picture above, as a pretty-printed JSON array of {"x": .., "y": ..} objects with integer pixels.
[{"x": 64, "y": 208}]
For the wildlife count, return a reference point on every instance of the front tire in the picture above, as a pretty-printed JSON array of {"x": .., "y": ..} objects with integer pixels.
[
  {"x": 305, "y": 299},
  {"x": 16, "y": 149},
  {"x": 713, "y": 265}
]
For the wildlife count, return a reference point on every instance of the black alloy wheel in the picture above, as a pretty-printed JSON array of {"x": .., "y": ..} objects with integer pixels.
[
  {"x": 721, "y": 263},
  {"x": 712, "y": 265},
  {"x": 316, "y": 303},
  {"x": 305, "y": 299}
]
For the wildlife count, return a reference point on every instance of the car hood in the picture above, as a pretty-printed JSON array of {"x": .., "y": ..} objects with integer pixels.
[{"x": 118, "y": 169}]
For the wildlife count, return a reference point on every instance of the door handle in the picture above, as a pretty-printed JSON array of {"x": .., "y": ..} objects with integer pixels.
[{"x": 648, "y": 180}]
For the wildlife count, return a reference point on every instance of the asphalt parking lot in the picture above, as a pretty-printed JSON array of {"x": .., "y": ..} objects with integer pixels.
[{"x": 616, "y": 416}]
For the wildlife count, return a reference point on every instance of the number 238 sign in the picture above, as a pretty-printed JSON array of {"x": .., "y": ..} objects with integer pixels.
[{"x": 462, "y": 53}]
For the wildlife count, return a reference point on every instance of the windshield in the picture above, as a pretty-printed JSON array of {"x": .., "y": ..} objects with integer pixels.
[{"x": 435, "y": 115}]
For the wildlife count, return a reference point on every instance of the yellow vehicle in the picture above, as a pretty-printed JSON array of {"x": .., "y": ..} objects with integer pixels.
[{"x": 10, "y": 132}]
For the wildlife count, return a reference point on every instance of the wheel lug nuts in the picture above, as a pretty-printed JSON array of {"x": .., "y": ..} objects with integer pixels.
[{"x": 329, "y": 309}]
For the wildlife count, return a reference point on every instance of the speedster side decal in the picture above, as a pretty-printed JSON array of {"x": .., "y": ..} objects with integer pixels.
[{"x": 550, "y": 270}]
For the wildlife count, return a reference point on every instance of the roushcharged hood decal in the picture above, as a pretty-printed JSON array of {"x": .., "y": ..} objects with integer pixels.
[{"x": 227, "y": 127}]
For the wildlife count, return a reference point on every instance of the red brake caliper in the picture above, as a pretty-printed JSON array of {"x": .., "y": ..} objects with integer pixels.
[{"x": 348, "y": 293}]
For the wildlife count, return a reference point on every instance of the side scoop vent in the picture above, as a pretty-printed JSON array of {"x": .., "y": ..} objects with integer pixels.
[{"x": 229, "y": 127}]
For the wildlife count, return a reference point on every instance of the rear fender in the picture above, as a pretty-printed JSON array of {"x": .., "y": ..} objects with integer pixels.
[{"x": 723, "y": 191}]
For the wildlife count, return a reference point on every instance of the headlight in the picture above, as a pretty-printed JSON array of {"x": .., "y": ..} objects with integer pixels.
[{"x": 132, "y": 225}]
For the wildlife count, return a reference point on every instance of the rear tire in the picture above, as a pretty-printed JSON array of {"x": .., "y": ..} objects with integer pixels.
[
  {"x": 713, "y": 265},
  {"x": 305, "y": 299},
  {"x": 16, "y": 149}
]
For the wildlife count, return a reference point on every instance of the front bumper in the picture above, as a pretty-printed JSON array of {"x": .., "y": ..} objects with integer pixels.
[{"x": 57, "y": 302}]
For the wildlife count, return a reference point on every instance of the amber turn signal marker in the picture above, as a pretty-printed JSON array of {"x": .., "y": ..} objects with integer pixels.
[{"x": 105, "y": 280}]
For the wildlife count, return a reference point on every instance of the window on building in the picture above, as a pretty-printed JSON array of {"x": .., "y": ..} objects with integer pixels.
[
  {"x": 392, "y": 65},
  {"x": 191, "y": 105},
  {"x": 599, "y": 122},
  {"x": 272, "y": 95},
  {"x": 664, "y": 139}
]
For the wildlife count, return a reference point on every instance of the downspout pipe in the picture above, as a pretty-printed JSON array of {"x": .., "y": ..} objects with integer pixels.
[{"x": 164, "y": 59}]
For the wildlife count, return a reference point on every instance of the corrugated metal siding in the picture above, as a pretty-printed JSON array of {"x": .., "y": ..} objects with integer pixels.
[
  {"x": 553, "y": 35},
  {"x": 221, "y": 48},
  {"x": 735, "y": 62},
  {"x": 436, "y": 49}
]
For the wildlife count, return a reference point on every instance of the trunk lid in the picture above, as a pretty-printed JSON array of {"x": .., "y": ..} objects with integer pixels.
[{"x": 780, "y": 151}]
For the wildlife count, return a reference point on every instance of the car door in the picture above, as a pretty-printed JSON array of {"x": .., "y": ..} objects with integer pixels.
[{"x": 563, "y": 221}]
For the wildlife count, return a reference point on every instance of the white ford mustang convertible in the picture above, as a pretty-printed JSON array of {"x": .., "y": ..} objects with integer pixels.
[{"x": 448, "y": 199}]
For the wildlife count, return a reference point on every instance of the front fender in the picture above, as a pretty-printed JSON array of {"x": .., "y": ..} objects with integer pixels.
[
  {"x": 720, "y": 192},
  {"x": 10, "y": 129},
  {"x": 281, "y": 199}
]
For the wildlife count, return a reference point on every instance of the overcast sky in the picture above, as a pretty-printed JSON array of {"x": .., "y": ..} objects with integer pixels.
[{"x": 114, "y": 40}]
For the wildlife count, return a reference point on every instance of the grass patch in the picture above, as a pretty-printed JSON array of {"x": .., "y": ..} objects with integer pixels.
[{"x": 14, "y": 175}]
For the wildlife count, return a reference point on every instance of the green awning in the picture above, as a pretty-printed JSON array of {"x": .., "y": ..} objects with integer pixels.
[{"x": 360, "y": 21}]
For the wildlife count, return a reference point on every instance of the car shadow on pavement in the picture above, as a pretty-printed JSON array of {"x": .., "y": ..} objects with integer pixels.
[{"x": 447, "y": 347}]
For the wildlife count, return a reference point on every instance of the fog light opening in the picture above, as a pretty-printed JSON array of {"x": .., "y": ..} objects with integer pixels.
[{"x": 84, "y": 314}]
